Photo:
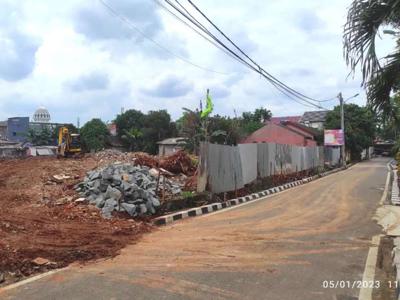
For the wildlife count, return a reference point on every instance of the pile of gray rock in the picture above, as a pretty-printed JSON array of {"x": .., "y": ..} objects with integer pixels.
[{"x": 125, "y": 187}]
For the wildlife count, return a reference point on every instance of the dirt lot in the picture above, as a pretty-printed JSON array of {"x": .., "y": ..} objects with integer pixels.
[{"x": 39, "y": 218}]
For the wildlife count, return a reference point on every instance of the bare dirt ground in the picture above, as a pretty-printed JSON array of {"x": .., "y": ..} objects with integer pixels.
[
  {"x": 39, "y": 218},
  {"x": 282, "y": 247}
]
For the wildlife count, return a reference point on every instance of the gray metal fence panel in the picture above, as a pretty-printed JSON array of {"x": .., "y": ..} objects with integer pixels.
[
  {"x": 227, "y": 168},
  {"x": 321, "y": 156},
  {"x": 203, "y": 169},
  {"x": 263, "y": 165},
  {"x": 332, "y": 155},
  {"x": 273, "y": 169},
  {"x": 248, "y": 158}
]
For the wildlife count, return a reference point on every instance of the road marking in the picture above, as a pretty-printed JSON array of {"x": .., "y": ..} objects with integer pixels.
[
  {"x": 370, "y": 264},
  {"x": 369, "y": 271},
  {"x": 31, "y": 279},
  {"x": 385, "y": 191}
]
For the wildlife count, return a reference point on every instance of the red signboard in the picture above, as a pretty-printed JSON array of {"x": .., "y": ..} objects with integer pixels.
[{"x": 333, "y": 137}]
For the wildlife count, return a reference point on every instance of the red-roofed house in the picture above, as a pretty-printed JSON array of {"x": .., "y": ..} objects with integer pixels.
[{"x": 289, "y": 133}]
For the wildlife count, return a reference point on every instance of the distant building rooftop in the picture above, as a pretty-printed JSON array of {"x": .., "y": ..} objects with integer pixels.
[
  {"x": 41, "y": 115},
  {"x": 278, "y": 120},
  {"x": 173, "y": 141},
  {"x": 314, "y": 116},
  {"x": 305, "y": 129}
]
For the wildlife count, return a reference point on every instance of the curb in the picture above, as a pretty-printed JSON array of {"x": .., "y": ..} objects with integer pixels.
[
  {"x": 395, "y": 199},
  {"x": 205, "y": 209}
]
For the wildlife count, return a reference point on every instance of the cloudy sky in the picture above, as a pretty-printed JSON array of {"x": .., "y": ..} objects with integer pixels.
[{"x": 79, "y": 60}]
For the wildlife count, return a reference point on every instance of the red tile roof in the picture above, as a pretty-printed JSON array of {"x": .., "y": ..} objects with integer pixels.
[
  {"x": 273, "y": 133},
  {"x": 278, "y": 120}
]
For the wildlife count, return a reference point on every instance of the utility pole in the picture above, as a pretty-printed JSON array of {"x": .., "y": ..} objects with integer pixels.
[{"x": 342, "y": 127}]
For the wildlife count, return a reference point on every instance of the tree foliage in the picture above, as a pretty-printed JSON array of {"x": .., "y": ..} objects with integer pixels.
[
  {"x": 364, "y": 20},
  {"x": 389, "y": 121},
  {"x": 219, "y": 129},
  {"x": 42, "y": 137},
  {"x": 131, "y": 137},
  {"x": 141, "y": 132},
  {"x": 252, "y": 121},
  {"x": 190, "y": 126},
  {"x": 360, "y": 127},
  {"x": 94, "y": 135},
  {"x": 157, "y": 127}
]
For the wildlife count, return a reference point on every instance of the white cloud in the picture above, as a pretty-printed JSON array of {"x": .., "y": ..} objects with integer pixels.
[{"x": 79, "y": 60}]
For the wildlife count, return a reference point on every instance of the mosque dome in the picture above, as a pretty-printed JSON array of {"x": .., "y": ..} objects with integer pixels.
[{"x": 41, "y": 115}]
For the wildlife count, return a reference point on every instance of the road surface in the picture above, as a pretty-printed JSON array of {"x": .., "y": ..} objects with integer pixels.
[{"x": 281, "y": 247}]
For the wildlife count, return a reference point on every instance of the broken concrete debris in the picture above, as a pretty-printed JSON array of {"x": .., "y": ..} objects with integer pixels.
[
  {"x": 41, "y": 261},
  {"x": 60, "y": 178},
  {"x": 124, "y": 187}
]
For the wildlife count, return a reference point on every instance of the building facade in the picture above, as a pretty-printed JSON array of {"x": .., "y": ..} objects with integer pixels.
[
  {"x": 3, "y": 130},
  {"x": 314, "y": 119},
  {"x": 170, "y": 146},
  {"x": 17, "y": 129}
]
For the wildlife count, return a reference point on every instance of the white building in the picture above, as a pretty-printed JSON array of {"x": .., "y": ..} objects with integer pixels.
[{"x": 41, "y": 115}]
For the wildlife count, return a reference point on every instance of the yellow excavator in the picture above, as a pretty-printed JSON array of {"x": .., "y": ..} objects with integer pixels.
[{"x": 69, "y": 144}]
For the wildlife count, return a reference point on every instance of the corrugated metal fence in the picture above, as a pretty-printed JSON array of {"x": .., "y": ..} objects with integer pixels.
[{"x": 227, "y": 168}]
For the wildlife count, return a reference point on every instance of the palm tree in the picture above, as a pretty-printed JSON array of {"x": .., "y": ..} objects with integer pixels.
[
  {"x": 131, "y": 136},
  {"x": 364, "y": 19}
]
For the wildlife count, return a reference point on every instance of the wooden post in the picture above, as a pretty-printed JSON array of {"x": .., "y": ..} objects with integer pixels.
[{"x": 163, "y": 193}]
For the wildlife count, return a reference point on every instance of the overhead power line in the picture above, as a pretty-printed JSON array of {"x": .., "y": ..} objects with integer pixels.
[
  {"x": 249, "y": 62},
  {"x": 135, "y": 28},
  {"x": 158, "y": 2},
  {"x": 217, "y": 45},
  {"x": 241, "y": 51}
]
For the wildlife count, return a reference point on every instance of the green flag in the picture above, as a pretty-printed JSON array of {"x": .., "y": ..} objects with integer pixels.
[{"x": 209, "y": 107}]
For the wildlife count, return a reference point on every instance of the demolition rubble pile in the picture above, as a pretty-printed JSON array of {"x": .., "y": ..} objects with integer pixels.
[
  {"x": 177, "y": 163},
  {"x": 125, "y": 187}
]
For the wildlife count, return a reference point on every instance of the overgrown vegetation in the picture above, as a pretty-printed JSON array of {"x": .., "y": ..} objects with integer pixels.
[
  {"x": 94, "y": 135},
  {"x": 141, "y": 132},
  {"x": 42, "y": 137},
  {"x": 219, "y": 129},
  {"x": 381, "y": 77},
  {"x": 366, "y": 21}
]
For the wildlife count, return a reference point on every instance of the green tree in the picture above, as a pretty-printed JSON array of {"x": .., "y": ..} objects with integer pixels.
[
  {"x": 360, "y": 127},
  {"x": 131, "y": 137},
  {"x": 219, "y": 129},
  {"x": 224, "y": 130},
  {"x": 141, "y": 132},
  {"x": 252, "y": 121},
  {"x": 190, "y": 127},
  {"x": 157, "y": 127},
  {"x": 364, "y": 20},
  {"x": 42, "y": 137},
  {"x": 389, "y": 121},
  {"x": 94, "y": 135}
]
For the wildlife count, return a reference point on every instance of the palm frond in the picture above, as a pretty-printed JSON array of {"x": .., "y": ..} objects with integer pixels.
[
  {"x": 364, "y": 19},
  {"x": 383, "y": 83}
]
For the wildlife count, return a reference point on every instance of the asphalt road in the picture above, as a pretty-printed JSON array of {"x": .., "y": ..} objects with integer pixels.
[{"x": 281, "y": 247}]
